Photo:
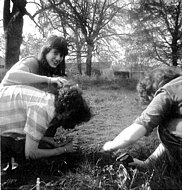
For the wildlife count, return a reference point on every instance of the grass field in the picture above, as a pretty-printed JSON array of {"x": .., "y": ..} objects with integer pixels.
[{"x": 115, "y": 105}]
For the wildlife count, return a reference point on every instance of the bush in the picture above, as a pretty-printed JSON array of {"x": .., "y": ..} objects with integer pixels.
[{"x": 114, "y": 84}]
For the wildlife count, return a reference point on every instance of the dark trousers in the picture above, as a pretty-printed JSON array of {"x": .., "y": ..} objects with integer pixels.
[
  {"x": 173, "y": 145},
  {"x": 12, "y": 146}
]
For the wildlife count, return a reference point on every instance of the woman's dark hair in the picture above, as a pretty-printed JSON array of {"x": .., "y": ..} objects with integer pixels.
[
  {"x": 154, "y": 80},
  {"x": 71, "y": 109},
  {"x": 53, "y": 42}
]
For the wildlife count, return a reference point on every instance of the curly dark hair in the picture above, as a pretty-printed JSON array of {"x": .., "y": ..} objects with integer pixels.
[
  {"x": 154, "y": 80},
  {"x": 71, "y": 109},
  {"x": 53, "y": 42}
]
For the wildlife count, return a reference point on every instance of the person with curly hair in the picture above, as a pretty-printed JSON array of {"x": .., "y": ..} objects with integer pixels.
[
  {"x": 162, "y": 87},
  {"x": 153, "y": 80},
  {"x": 43, "y": 71},
  {"x": 28, "y": 112}
]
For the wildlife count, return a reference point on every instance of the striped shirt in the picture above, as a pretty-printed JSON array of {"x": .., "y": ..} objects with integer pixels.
[{"x": 25, "y": 109}]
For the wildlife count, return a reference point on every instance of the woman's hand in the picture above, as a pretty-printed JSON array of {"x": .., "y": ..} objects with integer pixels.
[
  {"x": 138, "y": 163},
  {"x": 107, "y": 146},
  {"x": 60, "y": 81},
  {"x": 71, "y": 147}
]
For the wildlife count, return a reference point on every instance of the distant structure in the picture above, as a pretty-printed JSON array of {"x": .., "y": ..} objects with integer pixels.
[{"x": 110, "y": 71}]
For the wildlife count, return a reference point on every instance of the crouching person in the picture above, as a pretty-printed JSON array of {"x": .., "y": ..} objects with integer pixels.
[
  {"x": 162, "y": 88},
  {"x": 34, "y": 114}
]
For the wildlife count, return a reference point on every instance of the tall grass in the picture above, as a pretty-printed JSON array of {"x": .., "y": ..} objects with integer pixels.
[
  {"x": 115, "y": 105},
  {"x": 94, "y": 171}
]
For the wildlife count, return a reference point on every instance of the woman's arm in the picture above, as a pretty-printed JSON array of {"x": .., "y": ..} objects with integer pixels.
[
  {"x": 27, "y": 73},
  {"x": 24, "y": 72},
  {"x": 33, "y": 152},
  {"x": 49, "y": 142},
  {"x": 150, "y": 118},
  {"x": 127, "y": 137},
  {"x": 25, "y": 77}
]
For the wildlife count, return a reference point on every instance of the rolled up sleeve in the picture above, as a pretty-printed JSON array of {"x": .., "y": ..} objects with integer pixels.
[{"x": 156, "y": 112}]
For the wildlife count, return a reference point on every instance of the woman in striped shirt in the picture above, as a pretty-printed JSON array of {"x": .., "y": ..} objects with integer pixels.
[{"x": 36, "y": 114}]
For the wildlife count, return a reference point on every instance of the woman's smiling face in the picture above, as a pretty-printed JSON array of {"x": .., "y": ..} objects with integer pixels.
[{"x": 54, "y": 58}]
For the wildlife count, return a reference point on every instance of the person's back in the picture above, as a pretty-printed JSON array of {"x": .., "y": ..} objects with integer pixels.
[
  {"x": 25, "y": 110},
  {"x": 174, "y": 120},
  {"x": 37, "y": 114}
]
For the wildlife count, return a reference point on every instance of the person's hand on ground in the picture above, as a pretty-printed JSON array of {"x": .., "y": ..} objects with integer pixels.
[
  {"x": 71, "y": 146},
  {"x": 138, "y": 163},
  {"x": 107, "y": 146}
]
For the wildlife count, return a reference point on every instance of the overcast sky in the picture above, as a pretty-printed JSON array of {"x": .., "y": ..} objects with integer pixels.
[{"x": 1, "y": 16}]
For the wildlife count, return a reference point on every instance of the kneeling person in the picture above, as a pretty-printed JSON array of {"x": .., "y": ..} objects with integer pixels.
[{"x": 27, "y": 111}]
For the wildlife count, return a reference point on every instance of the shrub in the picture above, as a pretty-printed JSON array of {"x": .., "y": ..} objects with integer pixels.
[{"x": 114, "y": 84}]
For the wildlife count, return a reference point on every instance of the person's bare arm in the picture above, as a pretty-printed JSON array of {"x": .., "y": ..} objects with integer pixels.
[
  {"x": 27, "y": 73},
  {"x": 127, "y": 137},
  {"x": 150, "y": 118},
  {"x": 33, "y": 152},
  {"x": 50, "y": 142}
]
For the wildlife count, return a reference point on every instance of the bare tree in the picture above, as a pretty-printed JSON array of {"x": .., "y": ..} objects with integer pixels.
[
  {"x": 58, "y": 17},
  {"x": 158, "y": 24},
  {"x": 86, "y": 19},
  {"x": 92, "y": 17}
]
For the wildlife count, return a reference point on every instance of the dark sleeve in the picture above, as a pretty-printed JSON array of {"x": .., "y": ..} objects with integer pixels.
[{"x": 156, "y": 112}]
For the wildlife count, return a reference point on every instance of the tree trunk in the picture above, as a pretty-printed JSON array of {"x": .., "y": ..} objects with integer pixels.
[
  {"x": 90, "y": 48},
  {"x": 174, "y": 48},
  {"x": 78, "y": 57},
  {"x": 174, "y": 59},
  {"x": 13, "y": 26},
  {"x": 79, "y": 64}
]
